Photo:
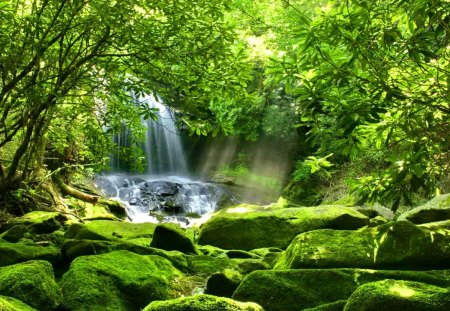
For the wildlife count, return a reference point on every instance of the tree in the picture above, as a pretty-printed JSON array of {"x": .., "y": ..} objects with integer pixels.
[
  {"x": 68, "y": 68},
  {"x": 374, "y": 75}
]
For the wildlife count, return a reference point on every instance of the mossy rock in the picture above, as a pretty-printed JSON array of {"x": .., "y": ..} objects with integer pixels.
[
  {"x": 12, "y": 304},
  {"x": 437, "y": 209},
  {"x": 117, "y": 281},
  {"x": 247, "y": 227},
  {"x": 12, "y": 253},
  {"x": 223, "y": 283},
  {"x": 236, "y": 253},
  {"x": 202, "y": 303},
  {"x": 42, "y": 221},
  {"x": 293, "y": 290},
  {"x": 396, "y": 245},
  {"x": 270, "y": 255},
  {"x": 15, "y": 233},
  {"x": 212, "y": 251},
  {"x": 206, "y": 265},
  {"x": 437, "y": 225},
  {"x": 334, "y": 306},
  {"x": 32, "y": 282},
  {"x": 72, "y": 249},
  {"x": 394, "y": 295},
  {"x": 169, "y": 237},
  {"x": 110, "y": 230}
]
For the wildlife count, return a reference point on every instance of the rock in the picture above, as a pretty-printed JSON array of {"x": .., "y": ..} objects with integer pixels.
[
  {"x": 445, "y": 224},
  {"x": 223, "y": 283},
  {"x": 205, "y": 265},
  {"x": 377, "y": 220},
  {"x": 15, "y": 233},
  {"x": 72, "y": 249},
  {"x": 394, "y": 295},
  {"x": 241, "y": 254},
  {"x": 32, "y": 282},
  {"x": 202, "y": 303},
  {"x": 117, "y": 281},
  {"x": 12, "y": 253},
  {"x": 168, "y": 237},
  {"x": 41, "y": 221},
  {"x": 400, "y": 245},
  {"x": 12, "y": 304},
  {"x": 436, "y": 209},
  {"x": 247, "y": 227},
  {"x": 376, "y": 210},
  {"x": 334, "y": 306},
  {"x": 110, "y": 230},
  {"x": 293, "y": 290},
  {"x": 270, "y": 255}
]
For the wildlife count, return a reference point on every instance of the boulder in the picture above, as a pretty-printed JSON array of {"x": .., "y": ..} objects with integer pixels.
[
  {"x": 247, "y": 227},
  {"x": 41, "y": 221},
  {"x": 223, "y": 283},
  {"x": 202, "y": 303},
  {"x": 401, "y": 245},
  {"x": 15, "y": 233},
  {"x": 394, "y": 295},
  {"x": 293, "y": 290},
  {"x": 32, "y": 282},
  {"x": 436, "y": 209},
  {"x": 111, "y": 230},
  {"x": 168, "y": 237},
  {"x": 12, "y": 304},
  {"x": 12, "y": 253},
  {"x": 117, "y": 281}
]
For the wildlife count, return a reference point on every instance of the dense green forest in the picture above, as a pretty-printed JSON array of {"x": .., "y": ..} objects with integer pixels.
[{"x": 350, "y": 101}]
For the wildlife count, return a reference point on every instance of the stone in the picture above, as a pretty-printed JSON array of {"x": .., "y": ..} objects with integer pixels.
[
  {"x": 117, "y": 281},
  {"x": 110, "y": 230},
  {"x": 394, "y": 295},
  {"x": 168, "y": 237},
  {"x": 42, "y": 221},
  {"x": 15, "y": 233},
  {"x": 12, "y": 304},
  {"x": 12, "y": 253},
  {"x": 202, "y": 303},
  {"x": 437, "y": 209},
  {"x": 396, "y": 245},
  {"x": 293, "y": 290},
  {"x": 32, "y": 282},
  {"x": 223, "y": 283},
  {"x": 248, "y": 227}
]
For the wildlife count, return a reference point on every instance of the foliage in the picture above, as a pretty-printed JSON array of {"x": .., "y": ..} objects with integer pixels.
[
  {"x": 68, "y": 68},
  {"x": 373, "y": 73}
]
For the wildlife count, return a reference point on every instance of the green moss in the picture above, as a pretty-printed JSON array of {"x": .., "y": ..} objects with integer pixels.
[
  {"x": 437, "y": 209},
  {"x": 172, "y": 238},
  {"x": 41, "y": 221},
  {"x": 110, "y": 230},
  {"x": 293, "y": 290},
  {"x": 202, "y": 303},
  {"x": 212, "y": 251},
  {"x": 205, "y": 265},
  {"x": 12, "y": 253},
  {"x": 334, "y": 306},
  {"x": 32, "y": 282},
  {"x": 393, "y": 295},
  {"x": 11, "y": 304},
  {"x": 117, "y": 281},
  {"x": 223, "y": 283},
  {"x": 270, "y": 255},
  {"x": 394, "y": 245},
  {"x": 248, "y": 227}
]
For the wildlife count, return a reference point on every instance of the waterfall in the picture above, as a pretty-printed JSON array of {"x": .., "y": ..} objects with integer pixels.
[{"x": 163, "y": 147}]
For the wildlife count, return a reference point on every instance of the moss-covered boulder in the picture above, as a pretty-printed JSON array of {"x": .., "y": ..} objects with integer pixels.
[
  {"x": 437, "y": 209},
  {"x": 247, "y": 227},
  {"x": 12, "y": 304},
  {"x": 139, "y": 233},
  {"x": 15, "y": 233},
  {"x": 400, "y": 245},
  {"x": 32, "y": 282},
  {"x": 42, "y": 221},
  {"x": 394, "y": 295},
  {"x": 293, "y": 290},
  {"x": 202, "y": 303},
  {"x": 117, "y": 281},
  {"x": 12, "y": 253},
  {"x": 170, "y": 237},
  {"x": 333, "y": 306},
  {"x": 223, "y": 283}
]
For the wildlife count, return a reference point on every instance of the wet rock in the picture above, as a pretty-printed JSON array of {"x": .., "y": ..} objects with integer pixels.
[{"x": 168, "y": 237}]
